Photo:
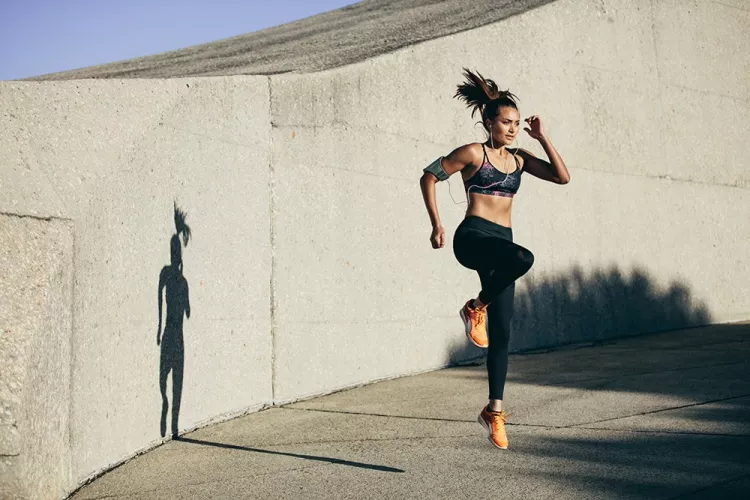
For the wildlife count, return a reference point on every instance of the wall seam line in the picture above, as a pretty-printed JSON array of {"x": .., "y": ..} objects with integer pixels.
[
  {"x": 272, "y": 242},
  {"x": 71, "y": 362},
  {"x": 655, "y": 45}
]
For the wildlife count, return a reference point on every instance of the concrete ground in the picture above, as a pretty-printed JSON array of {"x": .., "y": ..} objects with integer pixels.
[{"x": 655, "y": 416}]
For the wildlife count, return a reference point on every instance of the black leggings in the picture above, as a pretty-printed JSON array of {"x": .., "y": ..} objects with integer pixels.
[{"x": 488, "y": 248}]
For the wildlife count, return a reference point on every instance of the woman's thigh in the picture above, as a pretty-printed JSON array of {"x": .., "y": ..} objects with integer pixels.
[{"x": 482, "y": 252}]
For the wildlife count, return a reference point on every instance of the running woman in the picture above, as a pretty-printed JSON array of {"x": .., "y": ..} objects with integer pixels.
[{"x": 483, "y": 242}]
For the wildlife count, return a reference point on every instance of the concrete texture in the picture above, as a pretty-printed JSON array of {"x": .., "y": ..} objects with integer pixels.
[
  {"x": 636, "y": 430},
  {"x": 624, "y": 248},
  {"x": 310, "y": 268},
  {"x": 216, "y": 168},
  {"x": 113, "y": 158},
  {"x": 36, "y": 297},
  {"x": 332, "y": 39}
]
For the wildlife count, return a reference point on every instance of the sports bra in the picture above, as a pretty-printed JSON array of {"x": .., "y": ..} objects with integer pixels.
[{"x": 489, "y": 180}]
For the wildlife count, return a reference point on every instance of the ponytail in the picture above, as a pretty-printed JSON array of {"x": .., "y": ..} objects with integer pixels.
[
  {"x": 180, "y": 226},
  {"x": 483, "y": 95}
]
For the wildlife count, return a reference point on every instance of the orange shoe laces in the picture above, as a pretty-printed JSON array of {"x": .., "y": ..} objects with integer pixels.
[
  {"x": 479, "y": 314},
  {"x": 501, "y": 415}
]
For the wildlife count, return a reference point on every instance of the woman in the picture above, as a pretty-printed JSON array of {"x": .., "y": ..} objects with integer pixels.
[{"x": 491, "y": 172}]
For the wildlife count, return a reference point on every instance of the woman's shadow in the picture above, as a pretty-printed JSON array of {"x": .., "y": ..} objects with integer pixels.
[{"x": 178, "y": 304}]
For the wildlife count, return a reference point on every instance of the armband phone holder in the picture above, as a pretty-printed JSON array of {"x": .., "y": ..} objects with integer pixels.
[{"x": 436, "y": 169}]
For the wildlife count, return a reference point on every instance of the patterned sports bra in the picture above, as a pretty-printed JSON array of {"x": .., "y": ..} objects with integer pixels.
[{"x": 489, "y": 180}]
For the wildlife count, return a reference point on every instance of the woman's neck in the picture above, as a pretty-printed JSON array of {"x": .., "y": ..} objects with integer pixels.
[{"x": 501, "y": 151}]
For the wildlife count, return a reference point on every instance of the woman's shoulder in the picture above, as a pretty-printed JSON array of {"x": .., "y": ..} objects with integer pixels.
[
  {"x": 472, "y": 151},
  {"x": 471, "y": 146},
  {"x": 520, "y": 154}
]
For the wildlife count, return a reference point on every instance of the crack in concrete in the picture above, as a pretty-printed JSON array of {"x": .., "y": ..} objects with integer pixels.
[
  {"x": 657, "y": 411},
  {"x": 581, "y": 425},
  {"x": 646, "y": 431},
  {"x": 704, "y": 488},
  {"x": 620, "y": 344},
  {"x": 372, "y": 440},
  {"x": 376, "y": 414},
  {"x": 615, "y": 377},
  {"x": 48, "y": 218}
]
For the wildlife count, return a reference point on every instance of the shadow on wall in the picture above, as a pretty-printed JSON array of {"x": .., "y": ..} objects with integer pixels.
[
  {"x": 605, "y": 304},
  {"x": 462, "y": 352},
  {"x": 707, "y": 363},
  {"x": 172, "y": 355}
]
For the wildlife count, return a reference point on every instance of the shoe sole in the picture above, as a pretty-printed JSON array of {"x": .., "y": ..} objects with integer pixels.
[
  {"x": 467, "y": 329},
  {"x": 489, "y": 433}
]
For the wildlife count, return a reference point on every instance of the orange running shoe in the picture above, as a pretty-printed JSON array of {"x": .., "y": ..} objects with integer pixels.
[
  {"x": 475, "y": 322},
  {"x": 494, "y": 422}
]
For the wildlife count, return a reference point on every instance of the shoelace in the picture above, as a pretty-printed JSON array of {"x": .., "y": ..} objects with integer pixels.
[
  {"x": 480, "y": 312},
  {"x": 501, "y": 415}
]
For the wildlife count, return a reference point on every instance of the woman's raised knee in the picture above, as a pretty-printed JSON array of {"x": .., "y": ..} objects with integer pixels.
[{"x": 526, "y": 258}]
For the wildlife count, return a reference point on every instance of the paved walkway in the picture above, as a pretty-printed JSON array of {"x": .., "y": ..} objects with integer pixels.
[{"x": 656, "y": 416}]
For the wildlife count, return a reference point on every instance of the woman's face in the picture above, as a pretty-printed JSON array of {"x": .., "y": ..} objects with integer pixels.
[{"x": 505, "y": 126}]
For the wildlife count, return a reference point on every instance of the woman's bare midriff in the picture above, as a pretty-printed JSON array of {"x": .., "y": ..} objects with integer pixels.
[{"x": 493, "y": 208}]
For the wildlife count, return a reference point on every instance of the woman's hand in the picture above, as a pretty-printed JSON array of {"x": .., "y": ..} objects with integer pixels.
[
  {"x": 438, "y": 237},
  {"x": 536, "y": 131}
]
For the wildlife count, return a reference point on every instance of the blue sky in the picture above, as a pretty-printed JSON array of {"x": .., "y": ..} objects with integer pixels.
[{"x": 45, "y": 36}]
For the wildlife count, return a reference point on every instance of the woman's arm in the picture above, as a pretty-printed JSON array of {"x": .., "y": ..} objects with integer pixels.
[
  {"x": 427, "y": 184},
  {"x": 556, "y": 171},
  {"x": 187, "y": 300},
  {"x": 457, "y": 160},
  {"x": 159, "y": 295}
]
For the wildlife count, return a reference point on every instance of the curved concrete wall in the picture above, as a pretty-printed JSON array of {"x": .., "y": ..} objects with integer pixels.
[
  {"x": 112, "y": 157},
  {"x": 310, "y": 267},
  {"x": 37, "y": 274},
  {"x": 634, "y": 243}
]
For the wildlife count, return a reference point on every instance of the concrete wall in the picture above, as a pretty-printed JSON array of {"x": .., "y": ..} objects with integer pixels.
[
  {"x": 650, "y": 234},
  {"x": 113, "y": 157},
  {"x": 36, "y": 265},
  {"x": 310, "y": 267}
]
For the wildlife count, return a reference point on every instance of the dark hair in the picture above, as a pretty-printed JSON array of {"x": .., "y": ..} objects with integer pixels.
[
  {"x": 179, "y": 223},
  {"x": 483, "y": 95},
  {"x": 181, "y": 228}
]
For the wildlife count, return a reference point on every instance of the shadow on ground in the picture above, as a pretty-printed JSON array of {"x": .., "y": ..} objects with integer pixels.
[
  {"x": 662, "y": 415},
  {"x": 314, "y": 458}
]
